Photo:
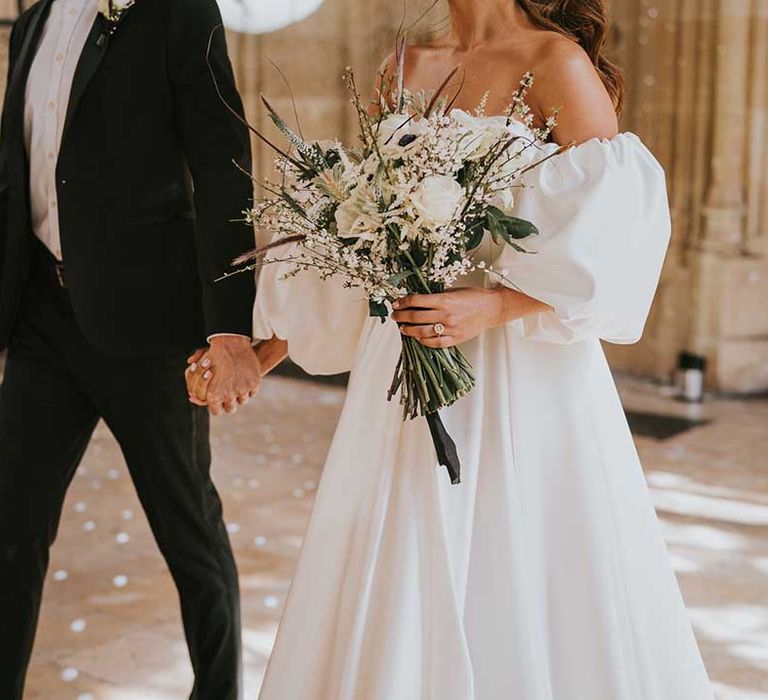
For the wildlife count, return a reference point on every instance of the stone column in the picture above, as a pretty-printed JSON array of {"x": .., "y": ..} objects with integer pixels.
[
  {"x": 729, "y": 274},
  {"x": 725, "y": 212}
]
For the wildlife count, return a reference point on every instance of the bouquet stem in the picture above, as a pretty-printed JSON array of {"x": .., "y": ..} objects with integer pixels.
[{"x": 428, "y": 380}]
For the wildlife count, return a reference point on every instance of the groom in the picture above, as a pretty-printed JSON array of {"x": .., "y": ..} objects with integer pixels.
[{"x": 117, "y": 200}]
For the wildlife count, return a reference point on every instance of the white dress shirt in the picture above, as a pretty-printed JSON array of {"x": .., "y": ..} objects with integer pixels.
[{"x": 47, "y": 99}]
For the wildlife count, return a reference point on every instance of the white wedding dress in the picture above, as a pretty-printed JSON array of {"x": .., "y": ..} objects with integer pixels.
[{"x": 543, "y": 576}]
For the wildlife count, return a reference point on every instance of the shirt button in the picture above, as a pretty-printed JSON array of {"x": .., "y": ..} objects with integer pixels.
[
  {"x": 51, "y": 155},
  {"x": 59, "y": 57},
  {"x": 51, "y": 105},
  {"x": 72, "y": 11},
  {"x": 53, "y": 204}
]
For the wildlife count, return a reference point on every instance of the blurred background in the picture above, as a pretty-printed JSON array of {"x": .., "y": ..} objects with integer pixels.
[{"x": 697, "y": 73}]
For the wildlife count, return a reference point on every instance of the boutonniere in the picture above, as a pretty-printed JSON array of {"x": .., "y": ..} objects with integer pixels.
[{"x": 113, "y": 11}]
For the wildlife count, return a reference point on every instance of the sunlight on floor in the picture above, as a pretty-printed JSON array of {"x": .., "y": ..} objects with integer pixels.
[{"x": 111, "y": 629}]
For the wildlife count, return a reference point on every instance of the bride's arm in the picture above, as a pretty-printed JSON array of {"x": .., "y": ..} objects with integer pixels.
[
  {"x": 271, "y": 353},
  {"x": 566, "y": 80}
]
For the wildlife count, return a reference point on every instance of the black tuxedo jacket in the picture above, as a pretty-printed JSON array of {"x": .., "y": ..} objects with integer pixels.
[{"x": 148, "y": 193}]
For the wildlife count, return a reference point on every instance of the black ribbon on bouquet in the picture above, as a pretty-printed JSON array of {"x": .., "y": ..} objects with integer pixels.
[{"x": 447, "y": 454}]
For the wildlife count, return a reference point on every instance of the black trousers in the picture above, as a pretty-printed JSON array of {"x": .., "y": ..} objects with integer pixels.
[{"x": 56, "y": 387}]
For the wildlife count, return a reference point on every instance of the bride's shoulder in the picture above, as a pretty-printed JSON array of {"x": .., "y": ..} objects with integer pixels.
[
  {"x": 560, "y": 61},
  {"x": 566, "y": 80}
]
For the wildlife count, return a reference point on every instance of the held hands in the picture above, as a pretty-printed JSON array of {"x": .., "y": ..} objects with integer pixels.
[
  {"x": 236, "y": 378},
  {"x": 456, "y": 316}
]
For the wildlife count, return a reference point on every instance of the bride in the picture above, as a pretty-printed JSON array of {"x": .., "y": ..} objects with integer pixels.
[{"x": 543, "y": 576}]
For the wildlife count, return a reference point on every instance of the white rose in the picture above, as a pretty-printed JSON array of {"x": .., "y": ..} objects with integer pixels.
[
  {"x": 484, "y": 132},
  {"x": 352, "y": 220},
  {"x": 437, "y": 199}
]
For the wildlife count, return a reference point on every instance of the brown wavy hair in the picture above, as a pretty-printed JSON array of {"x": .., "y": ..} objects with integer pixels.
[{"x": 586, "y": 22}]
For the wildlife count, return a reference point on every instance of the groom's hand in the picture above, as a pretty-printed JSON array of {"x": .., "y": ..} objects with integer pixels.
[{"x": 230, "y": 371}]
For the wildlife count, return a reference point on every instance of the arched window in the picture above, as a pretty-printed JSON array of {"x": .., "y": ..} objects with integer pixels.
[{"x": 262, "y": 16}]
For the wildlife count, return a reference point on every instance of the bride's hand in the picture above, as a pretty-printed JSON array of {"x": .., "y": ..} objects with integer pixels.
[
  {"x": 201, "y": 371},
  {"x": 461, "y": 314}
]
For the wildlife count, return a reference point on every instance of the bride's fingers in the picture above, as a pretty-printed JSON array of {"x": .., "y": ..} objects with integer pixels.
[
  {"x": 445, "y": 341},
  {"x": 417, "y": 317},
  {"x": 425, "y": 331},
  {"x": 201, "y": 390},
  {"x": 192, "y": 381},
  {"x": 420, "y": 301},
  {"x": 195, "y": 357},
  {"x": 197, "y": 386}
]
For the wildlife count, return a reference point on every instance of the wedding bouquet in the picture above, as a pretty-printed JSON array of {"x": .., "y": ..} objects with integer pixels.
[{"x": 403, "y": 212}]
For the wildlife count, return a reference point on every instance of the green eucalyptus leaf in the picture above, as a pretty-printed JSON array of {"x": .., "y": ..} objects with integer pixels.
[
  {"x": 397, "y": 279},
  {"x": 508, "y": 228},
  {"x": 519, "y": 228},
  {"x": 378, "y": 309},
  {"x": 475, "y": 233}
]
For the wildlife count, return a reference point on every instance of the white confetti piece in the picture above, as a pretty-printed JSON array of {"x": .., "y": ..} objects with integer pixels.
[
  {"x": 78, "y": 625},
  {"x": 69, "y": 674},
  {"x": 120, "y": 581}
]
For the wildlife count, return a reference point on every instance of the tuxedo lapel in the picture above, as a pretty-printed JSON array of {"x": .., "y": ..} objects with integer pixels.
[
  {"x": 29, "y": 48},
  {"x": 90, "y": 60},
  {"x": 18, "y": 80}
]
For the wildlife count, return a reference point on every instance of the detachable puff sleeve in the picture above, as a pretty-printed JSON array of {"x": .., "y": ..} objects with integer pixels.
[
  {"x": 321, "y": 320},
  {"x": 603, "y": 217}
]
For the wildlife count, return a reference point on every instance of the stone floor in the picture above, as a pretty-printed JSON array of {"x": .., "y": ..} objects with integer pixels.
[{"x": 110, "y": 626}]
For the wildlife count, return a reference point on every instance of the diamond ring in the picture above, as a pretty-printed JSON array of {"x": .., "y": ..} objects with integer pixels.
[{"x": 439, "y": 329}]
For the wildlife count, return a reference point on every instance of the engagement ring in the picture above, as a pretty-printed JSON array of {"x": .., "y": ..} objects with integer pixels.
[{"x": 439, "y": 329}]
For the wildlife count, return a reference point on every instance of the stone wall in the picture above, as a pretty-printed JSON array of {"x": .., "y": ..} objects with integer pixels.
[
  {"x": 698, "y": 95},
  {"x": 698, "y": 79}
]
